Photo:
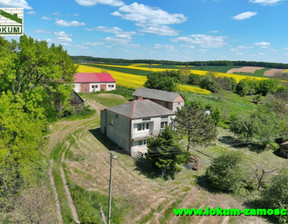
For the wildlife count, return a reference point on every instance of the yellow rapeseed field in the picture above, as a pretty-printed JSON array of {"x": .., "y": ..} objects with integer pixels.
[
  {"x": 135, "y": 81},
  {"x": 219, "y": 74},
  {"x": 122, "y": 79},
  {"x": 198, "y": 72},
  {"x": 138, "y": 68},
  {"x": 193, "y": 89}
]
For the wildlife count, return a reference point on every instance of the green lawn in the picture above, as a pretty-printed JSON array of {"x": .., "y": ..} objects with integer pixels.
[
  {"x": 229, "y": 103},
  {"x": 104, "y": 99}
]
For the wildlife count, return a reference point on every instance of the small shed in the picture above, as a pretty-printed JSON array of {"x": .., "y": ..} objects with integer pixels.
[
  {"x": 76, "y": 101},
  {"x": 284, "y": 149}
]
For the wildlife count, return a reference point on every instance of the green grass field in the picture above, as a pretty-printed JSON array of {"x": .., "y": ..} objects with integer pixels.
[
  {"x": 257, "y": 73},
  {"x": 102, "y": 99},
  {"x": 124, "y": 70},
  {"x": 223, "y": 69},
  {"x": 229, "y": 103}
]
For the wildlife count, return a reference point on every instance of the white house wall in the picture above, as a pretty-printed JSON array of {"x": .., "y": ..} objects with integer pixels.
[
  {"x": 91, "y": 90},
  {"x": 77, "y": 87},
  {"x": 177, "y": 105},
  {"x": 118, "y": 132},
  {"x": 154, "y": 130},
  {"x": 110, "y": 88}
]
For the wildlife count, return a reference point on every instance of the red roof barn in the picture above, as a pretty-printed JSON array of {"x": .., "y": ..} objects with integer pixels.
[{"x": 92, "y": 82}]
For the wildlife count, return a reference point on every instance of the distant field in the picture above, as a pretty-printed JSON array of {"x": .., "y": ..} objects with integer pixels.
[
  {"x": 133, "y": 70},
  {"x": 223, "y": 69},
  {"x": 132, "y": 81},
  {"x": 160, "y": 66},
  {"x": 124, "y": 69},
  {"x": 257, "y": 73}
]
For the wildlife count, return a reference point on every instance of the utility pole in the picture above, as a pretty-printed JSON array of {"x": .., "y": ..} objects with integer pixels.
[{"x": 110, "y": 186}]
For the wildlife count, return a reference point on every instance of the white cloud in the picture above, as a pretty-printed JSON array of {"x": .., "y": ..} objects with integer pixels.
[
  {"x": 161, "y": 30},
  {"x": 92, "y": 43},
  {"x": 244, "y": 15},
  {"x": 46, "y": 18},
  {"x": 203, "y": 40},
  {"x": 265, "y": 2},
  {"x": 62, "y": 22},
  {"x": 31, "y": 13},
  {"x": 143, "y": 14},
  {"x": 15, "y": 4},
  {"x": 41, "y": 31},
  {"x": 214, "y": 31},
  {"x": 122, "y": 39},
  {"x": 115, "y": 30},
  {"x": 239, "y": 48},
  {"x": 165, "y": 46},
  {"x": 105, "y": 2},
  {"x": 63, "y": 37},
  {"x": 82, "y": 47},
  {"x": 151, "y": 20},
  {"x": 263, "y": 44}
]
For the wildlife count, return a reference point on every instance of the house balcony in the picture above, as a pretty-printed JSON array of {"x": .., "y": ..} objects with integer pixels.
[{"x": 142, "y": 135}]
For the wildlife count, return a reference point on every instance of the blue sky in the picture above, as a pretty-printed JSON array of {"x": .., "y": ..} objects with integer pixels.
[{"x": 183, "y": 30}]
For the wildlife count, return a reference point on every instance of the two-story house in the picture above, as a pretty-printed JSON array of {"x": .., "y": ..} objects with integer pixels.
[
  {"x": 129, "y": 125},
  {"x": 170, "y": 100}
]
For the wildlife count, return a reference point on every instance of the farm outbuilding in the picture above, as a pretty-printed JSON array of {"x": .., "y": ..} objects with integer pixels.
[
  {"x": 93, "y": 82},
  {"x": 284, "y": 149},
  {"x": 170, "y": 100}
]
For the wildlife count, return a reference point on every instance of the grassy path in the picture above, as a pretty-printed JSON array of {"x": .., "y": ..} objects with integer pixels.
[{"x": 55, "y": 194}]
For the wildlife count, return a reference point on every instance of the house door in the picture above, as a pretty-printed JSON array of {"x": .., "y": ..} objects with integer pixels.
[{"x": 103, "y": 87}]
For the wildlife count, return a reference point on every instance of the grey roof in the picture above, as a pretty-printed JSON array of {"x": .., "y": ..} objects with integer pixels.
[
  {"x": 141, "y": 109},
  {"x": 156, "y": 94}
]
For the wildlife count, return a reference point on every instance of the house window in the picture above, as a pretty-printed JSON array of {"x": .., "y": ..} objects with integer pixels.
[
  {"x": 164, "y": 124},
  {"x": 142, "y": 126},
  {"x": 94, "y": 86},
  {"x": 142, "y": 142},
  {"x": 111, "y": 121},
  {"x": 147, "y": 125},
  {"x": 112, "y": 86}
]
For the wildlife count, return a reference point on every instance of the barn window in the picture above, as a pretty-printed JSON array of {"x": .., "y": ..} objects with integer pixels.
[{"x": 111, "y": 121}]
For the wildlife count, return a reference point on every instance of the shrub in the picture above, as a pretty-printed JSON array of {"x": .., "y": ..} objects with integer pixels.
[
  {"x": 226, "y": 173},
  {"x": 194, "y": 79},
  {"x": 276, "y": 196},
  {"x": 207, "y": 82}
]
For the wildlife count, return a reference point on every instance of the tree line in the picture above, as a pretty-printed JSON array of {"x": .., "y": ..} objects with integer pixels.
[{"x": 89, "y": 59}]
